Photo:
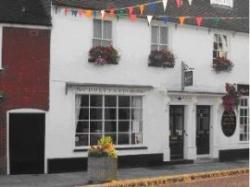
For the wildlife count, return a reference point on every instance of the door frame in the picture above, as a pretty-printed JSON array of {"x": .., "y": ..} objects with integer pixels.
[
  {"x": 210, "y": 132},
  {"x": 24, "y": 111}
]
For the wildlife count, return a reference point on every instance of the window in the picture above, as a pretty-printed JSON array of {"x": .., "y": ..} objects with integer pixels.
[
  {"x": 117, "y": 116},
  {"x": 228, "y": 3},
  {"x": 159, "y": 37},
  {"x": 102, "y": 33},
  {"x": 244, "y": 119},
  {"x": 220, "y": 46}
]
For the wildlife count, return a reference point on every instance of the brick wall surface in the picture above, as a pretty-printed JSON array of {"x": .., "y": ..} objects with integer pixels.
[{"x": 24, "y": 79}]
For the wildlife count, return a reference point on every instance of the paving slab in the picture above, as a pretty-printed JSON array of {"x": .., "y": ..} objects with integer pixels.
[{"x": 80, "y": 178}]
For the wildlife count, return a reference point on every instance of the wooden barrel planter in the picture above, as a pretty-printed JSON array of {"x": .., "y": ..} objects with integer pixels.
[{"x": 102, "y": 169}]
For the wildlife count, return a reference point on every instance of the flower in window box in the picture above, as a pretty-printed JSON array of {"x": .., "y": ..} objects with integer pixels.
[
  {"x": 231, "y": 99},
  {"x": 103, "y": 55},
  {"x": 161, "y": 58},
  {"x": 222, "y": 64}
]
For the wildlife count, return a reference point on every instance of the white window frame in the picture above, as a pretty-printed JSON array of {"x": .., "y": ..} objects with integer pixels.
[
  {"x": 224, "y": 52},
  {"x": 103, "y": 120},
  {"x": 227, "y": 3},
  {"x": 159, "y": 44},
  {"x": 102, "y": 32},
  {"x": 1, "y": 46},
  {"x": 239, "y": 118}
]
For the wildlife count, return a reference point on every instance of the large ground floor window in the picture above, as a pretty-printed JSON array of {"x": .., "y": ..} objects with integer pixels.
[
  {"x": 244, "y": 119},
  {"x": 107, "y": 115}
]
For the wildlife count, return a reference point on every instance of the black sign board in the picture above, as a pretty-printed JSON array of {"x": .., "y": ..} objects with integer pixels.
[
  {"x": 243, "y": 89},
  {"x": 188, "y": 78},
  {"x": 228, "y": 123}
]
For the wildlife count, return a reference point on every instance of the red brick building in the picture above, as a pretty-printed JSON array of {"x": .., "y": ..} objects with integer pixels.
[{"x": 24, "y": 83}]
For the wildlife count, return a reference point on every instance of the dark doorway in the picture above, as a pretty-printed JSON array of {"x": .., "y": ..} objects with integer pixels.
[
  {"x": 176, "y": 132},
  {"x": 202, "y": 130},
  {"x": 26, "y": 143}
]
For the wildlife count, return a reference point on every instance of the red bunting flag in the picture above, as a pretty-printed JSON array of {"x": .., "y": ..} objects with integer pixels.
[
  {"x": 133, "y": 17},
  {"x": 178, "y": 3},
  {"x": 130, "y": 10},
  {"x": 141, "y": 7},
  {"x": 182, "y": 19},
  {"x": 66, "y": 10},
  {"x": 199, "y": 20}
]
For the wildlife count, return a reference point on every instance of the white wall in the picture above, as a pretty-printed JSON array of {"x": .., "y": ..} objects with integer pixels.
[{"x": 70, "y": 42}]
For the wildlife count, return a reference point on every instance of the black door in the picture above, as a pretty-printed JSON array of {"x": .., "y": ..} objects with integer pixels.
[
  {"x": 26, "y": 143},
  {"x": 202, "y": 130},
  {"x": 176, "y": 132}
]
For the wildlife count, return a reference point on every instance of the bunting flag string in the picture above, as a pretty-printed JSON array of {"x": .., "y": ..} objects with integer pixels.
[{"x": 131, "y": 13}]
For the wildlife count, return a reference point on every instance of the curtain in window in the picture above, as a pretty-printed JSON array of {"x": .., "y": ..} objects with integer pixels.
[
  {"x": 97, "y": 29},
  {"x": 78, "y": 109}
]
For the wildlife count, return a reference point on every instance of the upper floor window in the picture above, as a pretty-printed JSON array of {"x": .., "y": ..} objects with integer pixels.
[
  {"x": 220, "y": 46},
  {"x": 244, "y": 119},
  {"x": 108, "y": 115},
  {"x": 102, "y": 33},
  {"x": 228, "y": 3},
  {"x": 159, "y": 37}
]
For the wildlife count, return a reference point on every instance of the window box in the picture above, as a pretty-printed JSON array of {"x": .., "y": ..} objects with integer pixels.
[
  {"x": 222, "y": 64},
  {"x": 103, "y": 55},
  {"x": 161, "y": 58}
]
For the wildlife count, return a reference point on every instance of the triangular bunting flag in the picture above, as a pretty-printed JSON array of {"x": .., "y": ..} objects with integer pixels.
[
  {"x": 152, "y": 8},
  {"x": 66, "y": 10},
  {"x": 141, "y": 7},
  {"x": 149, "y": 17},
  {"x": 178, "y": 3},
  {"x": 89, "y": 13},
  {"x": 102, "y": 14},
  {"x": 165, "y": 19},
  {"x": 130, "y": 10},
  {"x": 199, "y": 20},
  {"x": 74, "y": 12},
  {"x": 215, "y": 21},
  {"x": 133, "y": 17},
  {"x": 81, "y": 12},
  {"x": 182, "y": 19},
  {"x": 120, "y": 14},
  {"x": 190, "y": 2},
  {"x": 165, "y": 3}
]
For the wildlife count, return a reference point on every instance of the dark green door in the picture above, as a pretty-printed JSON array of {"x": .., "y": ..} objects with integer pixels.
[
  {"x": 203, "y": 130},
  {"x": 176, "y": 137}
]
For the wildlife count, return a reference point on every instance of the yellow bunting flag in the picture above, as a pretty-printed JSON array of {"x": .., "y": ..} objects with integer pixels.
[
  {"x": 142, "y": 8},
  {"x": 182, "y": 19}
]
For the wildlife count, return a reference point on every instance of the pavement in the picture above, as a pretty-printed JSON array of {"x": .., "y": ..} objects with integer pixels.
[{"x": 80, "y": 178}]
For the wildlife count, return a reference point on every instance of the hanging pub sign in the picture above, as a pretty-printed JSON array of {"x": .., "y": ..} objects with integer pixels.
[
  {"x": 228, "y": 123},
  {"x": 243, "y": 89},
  {"x": 187, "y": 75}
]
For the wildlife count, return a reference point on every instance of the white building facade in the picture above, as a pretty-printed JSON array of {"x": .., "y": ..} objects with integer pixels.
[{"x": 143, "y": 108}]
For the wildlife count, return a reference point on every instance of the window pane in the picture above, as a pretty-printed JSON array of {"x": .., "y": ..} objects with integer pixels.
[
  {"x": 154, "y": 34},
  {"x": 136, "y": 102},
  {"x": 84, "y": 101},
  {"x": 106, "y": 43},
  {"x": 113, "y": 136},
  {"x": 136, "y": 139},
  {"x": 124, "y": 114},
  {"x": 94, "y": 138},
  {"x": 81, "y": 140},
  {"x": 123, "y": 139},
  {"x": 110, "y": 126},
  {"x": 110, "y": 113},
  {"x": 110, "y": 101},
  {"x": 82, "y": 126},
  {"x": 136, "y": 126},
  {"x": 124, "y": 101},
  {"x": 84, "y": 114},
  {"x": 123, "y": 126},
  {"x": 107, "y": 30},
  {"x": 154, "y": 47},
  {"x": 96, "y": 113},
  {"x": 97, "y": 29},
  {"x": 97, "y": 42},
  {"x": 164, "y": 35},
  {"x": 95, "y": 100},
  {"x": 96, "y": 126},
  {"x": 136, "y": 114},
  {"x": 163, "y": 47}
]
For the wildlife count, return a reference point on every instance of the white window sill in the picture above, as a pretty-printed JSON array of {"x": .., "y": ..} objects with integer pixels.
[
  {"x": 119, "y": 148},
  {"x": 243, "y": 142}
]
